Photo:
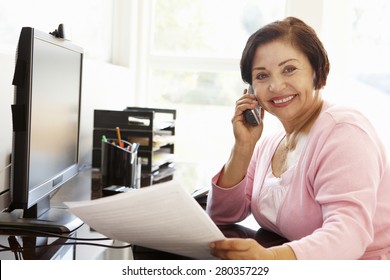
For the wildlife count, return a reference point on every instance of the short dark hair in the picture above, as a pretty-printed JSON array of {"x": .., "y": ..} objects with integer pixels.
[{"x": 300, "y": 35}]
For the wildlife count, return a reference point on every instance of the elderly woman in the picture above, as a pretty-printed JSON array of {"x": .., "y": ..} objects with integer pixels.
[{"x": 323, "y": 182}]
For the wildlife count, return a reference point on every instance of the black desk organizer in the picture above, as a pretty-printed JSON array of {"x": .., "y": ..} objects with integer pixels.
[{"x": 140, "y": 125}]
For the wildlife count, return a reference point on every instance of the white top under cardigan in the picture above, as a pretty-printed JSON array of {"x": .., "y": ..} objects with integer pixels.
[{"x": 275, "y": 188}]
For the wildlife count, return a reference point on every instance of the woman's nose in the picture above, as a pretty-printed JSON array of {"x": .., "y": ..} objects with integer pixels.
[{"x": 276, "y": 84}]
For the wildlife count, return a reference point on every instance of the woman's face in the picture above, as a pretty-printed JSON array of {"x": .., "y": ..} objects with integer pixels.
[{"x": 283, "y": 81}]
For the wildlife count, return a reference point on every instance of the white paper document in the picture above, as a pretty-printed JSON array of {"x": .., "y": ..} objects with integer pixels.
[{"x": 163, "y": 217}]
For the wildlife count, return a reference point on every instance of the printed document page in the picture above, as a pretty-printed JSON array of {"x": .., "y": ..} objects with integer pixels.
[{"x": 163, "y": 217}]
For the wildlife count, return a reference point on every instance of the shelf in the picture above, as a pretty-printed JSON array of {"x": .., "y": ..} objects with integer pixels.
[{"x": 152, "y": 128}]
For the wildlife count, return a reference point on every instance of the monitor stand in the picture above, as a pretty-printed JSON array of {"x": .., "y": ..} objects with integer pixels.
[{"x": 40, "y": 218}]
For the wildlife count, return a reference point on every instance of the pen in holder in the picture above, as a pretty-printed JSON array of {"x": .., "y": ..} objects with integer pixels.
[{"x": 118, "y": 165}]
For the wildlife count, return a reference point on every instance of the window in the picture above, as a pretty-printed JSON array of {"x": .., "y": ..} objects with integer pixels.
[
  {"x": 196, "y": 47},
  {"x": 208, "y": 28},
  {"x": 367, "y": 21},
  {"x": 187, "y": 58}
]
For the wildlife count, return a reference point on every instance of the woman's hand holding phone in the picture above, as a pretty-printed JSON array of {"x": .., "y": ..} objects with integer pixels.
[
  {"x": 246, "y": 137},
  {"x": 248, "y": 128},
  {"x": 253, "y": 116}
]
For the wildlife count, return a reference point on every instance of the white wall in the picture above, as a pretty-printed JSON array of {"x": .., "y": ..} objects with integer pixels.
[{"x": 105, "y": 86}]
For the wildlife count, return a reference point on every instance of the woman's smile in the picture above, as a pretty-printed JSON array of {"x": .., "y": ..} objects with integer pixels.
[{"x": 282, "y": 101}]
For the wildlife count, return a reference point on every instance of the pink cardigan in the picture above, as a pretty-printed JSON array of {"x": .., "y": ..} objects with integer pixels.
[{"x": 338, "y": 204}]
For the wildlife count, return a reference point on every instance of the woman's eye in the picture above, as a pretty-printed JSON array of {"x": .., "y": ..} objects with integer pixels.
[
  {"x": 261, "y": 76},
  {"x": 289, "y": 69}
]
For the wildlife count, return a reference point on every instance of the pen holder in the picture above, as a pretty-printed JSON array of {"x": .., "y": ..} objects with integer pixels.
[{"x": 118, "y": 165}]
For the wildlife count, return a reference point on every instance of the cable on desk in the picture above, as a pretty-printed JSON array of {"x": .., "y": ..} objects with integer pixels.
[
  {"x": 18, "y": 250},
  {"x": 18, "y": 247},
  {"x": 15, "y": 247},
  {"x": 51, "y": 234}
]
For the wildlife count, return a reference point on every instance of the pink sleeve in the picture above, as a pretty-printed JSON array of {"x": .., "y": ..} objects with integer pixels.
[
  {"x": 227, "y": 206},
  {"x": 345, "y": 181}
]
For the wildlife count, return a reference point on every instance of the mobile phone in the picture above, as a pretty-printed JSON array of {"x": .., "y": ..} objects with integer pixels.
[{"x": 252, "y": 116}]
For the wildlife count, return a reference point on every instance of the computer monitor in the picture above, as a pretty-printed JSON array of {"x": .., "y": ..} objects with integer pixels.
[{"x": 46, "y": 118}]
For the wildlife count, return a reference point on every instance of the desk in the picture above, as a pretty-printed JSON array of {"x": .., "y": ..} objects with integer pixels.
[{"x": 87, "y": 186}]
